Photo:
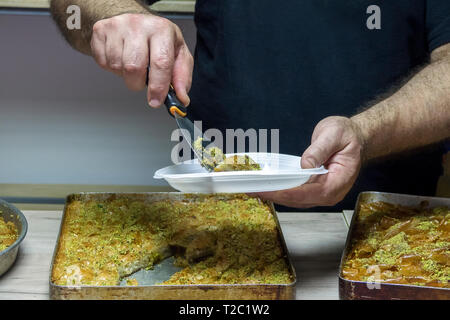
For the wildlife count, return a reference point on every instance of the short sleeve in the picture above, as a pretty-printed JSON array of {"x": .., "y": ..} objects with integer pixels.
[{"x": 437, "y": 23}]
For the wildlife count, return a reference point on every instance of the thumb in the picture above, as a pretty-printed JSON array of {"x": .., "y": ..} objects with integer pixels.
[
  {"x": 182, "y": 76},
  {"x": 320, "y": 150},
  {"x": 182, "y": 94}
]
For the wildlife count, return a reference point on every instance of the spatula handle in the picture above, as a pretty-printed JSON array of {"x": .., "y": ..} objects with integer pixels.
[{"x": 174, "y": 105}]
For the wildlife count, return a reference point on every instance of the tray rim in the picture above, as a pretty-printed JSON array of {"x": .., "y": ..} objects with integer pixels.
[
  {"x": 200, "y": 286},
  {"x": 352, "y": 227}
]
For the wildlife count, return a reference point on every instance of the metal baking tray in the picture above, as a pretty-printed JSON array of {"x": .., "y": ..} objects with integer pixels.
[
  {"x": 351, "y": 290},
  {"x": 9, "y": 255},
  {"x": 169, "y": 292}
]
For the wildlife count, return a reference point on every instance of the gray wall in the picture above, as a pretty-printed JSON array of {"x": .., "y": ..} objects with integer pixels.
[{"x": 64, "y": 120}]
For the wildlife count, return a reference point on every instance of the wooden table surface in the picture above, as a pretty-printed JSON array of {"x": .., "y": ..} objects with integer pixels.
[{"x": 315, "y": 242}]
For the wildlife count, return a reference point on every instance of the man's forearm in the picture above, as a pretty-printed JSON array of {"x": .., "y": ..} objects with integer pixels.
[
  {"x": 416, "y": 115},
  {"x": 91, "y": 12}
]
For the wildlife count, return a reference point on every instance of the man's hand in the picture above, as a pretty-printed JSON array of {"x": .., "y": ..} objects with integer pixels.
[
  {"x": 127, "y": 44},
  {"x": 416, "y": 115},
  {"x": 337, "y": 144}
]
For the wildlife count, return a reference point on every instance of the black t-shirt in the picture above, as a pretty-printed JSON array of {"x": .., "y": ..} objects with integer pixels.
[{"x": 289, "y": 64}]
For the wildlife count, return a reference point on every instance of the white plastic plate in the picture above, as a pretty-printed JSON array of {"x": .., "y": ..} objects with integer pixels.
[{"x": 279, "y": 172}]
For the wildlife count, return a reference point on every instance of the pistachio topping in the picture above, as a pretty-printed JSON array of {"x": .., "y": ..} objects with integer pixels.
[
  {"x": 8, "y": 233},
  {"x": 215, "y": 241},
  {"x": 407, "y": 245}
]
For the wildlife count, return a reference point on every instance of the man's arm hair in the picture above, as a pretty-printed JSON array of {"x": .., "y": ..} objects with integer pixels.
[
  {"x": 416, "y": 115},
  {"x": 91, "y": 12}
]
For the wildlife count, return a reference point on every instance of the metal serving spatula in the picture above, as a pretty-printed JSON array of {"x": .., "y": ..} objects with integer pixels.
[{"x": 189, "y": 131}]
